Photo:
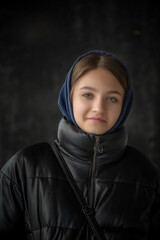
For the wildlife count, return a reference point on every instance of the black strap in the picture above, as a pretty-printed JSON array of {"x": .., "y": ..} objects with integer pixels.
[{"x": 87, "y": 210}]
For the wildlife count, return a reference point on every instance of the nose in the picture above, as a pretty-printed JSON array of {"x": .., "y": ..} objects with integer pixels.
[{"x": 98, "y": 105}]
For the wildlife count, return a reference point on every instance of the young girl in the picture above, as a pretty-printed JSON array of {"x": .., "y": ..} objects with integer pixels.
[{"x": 120, "y": 186}]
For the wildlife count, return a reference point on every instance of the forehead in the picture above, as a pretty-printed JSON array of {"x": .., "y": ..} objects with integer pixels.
[{"x": 99, "y": 78}]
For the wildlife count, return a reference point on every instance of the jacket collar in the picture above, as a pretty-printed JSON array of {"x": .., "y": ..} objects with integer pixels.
[{"x": 80, "y": 146}]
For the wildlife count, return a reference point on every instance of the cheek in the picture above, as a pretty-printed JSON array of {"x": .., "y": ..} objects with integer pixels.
[
  {"x": 114, "y": 111},
  {"x": 79, "y": 107},
  {"x": 117, "y": 111}
]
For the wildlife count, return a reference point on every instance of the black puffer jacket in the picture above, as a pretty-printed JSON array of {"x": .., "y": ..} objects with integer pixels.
[{"x": 36, "y": 201}]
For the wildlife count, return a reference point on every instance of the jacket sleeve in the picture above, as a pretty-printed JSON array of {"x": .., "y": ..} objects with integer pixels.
[
  {"x": 154, "y": 230},
  {"x": 11, "y": 208}
]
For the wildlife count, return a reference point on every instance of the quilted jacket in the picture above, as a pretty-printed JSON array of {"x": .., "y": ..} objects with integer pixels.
[{"x": 117, "y": 181}]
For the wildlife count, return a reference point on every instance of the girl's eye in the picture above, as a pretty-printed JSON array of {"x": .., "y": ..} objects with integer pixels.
[
  {"x": 111, "y": 99},
  {"x": 87, "y": 95}
]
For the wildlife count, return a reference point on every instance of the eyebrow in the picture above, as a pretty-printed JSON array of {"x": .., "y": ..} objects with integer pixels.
[
  {"x": 95, "y": 90},
  {"x": 88, "y": 88}
]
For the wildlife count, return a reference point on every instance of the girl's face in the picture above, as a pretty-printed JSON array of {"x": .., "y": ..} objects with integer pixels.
[{"x": 97, "y": 101}]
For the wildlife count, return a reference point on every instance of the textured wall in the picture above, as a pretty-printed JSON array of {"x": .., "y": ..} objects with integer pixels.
[{"x": 39, "y": 43}]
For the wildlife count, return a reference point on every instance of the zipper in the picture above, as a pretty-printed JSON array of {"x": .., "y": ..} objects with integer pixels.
[{"x": 97, "y": 149}]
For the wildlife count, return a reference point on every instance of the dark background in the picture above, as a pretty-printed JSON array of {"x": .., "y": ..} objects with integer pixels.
[{"x": 39, "y": 43}]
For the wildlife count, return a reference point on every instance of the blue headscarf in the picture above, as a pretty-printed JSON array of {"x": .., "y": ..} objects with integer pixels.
[{"x": 64, "y": 102}]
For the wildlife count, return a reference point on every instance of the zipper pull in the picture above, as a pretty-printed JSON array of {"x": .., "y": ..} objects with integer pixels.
[{"x": 98, "y": 148}]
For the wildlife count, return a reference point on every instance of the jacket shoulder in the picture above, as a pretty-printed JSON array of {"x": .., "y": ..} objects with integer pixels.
[
  {"x": 139, "y": 168},
  {"x": 36, "y": 160},
  {"x": 139, "y": 158}
]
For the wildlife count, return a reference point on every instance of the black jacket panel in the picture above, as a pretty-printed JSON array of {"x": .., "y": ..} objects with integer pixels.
[{"x": 36, "y": 201}]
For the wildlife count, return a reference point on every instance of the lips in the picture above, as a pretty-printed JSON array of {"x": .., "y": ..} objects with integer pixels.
[{"x": 97, "y": 119}]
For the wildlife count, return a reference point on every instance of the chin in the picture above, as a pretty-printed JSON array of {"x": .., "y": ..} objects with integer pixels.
[{"x": 97, "y": 132}]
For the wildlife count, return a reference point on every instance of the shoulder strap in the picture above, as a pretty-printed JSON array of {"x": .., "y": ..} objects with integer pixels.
[{"x": 87, "y": 210}]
